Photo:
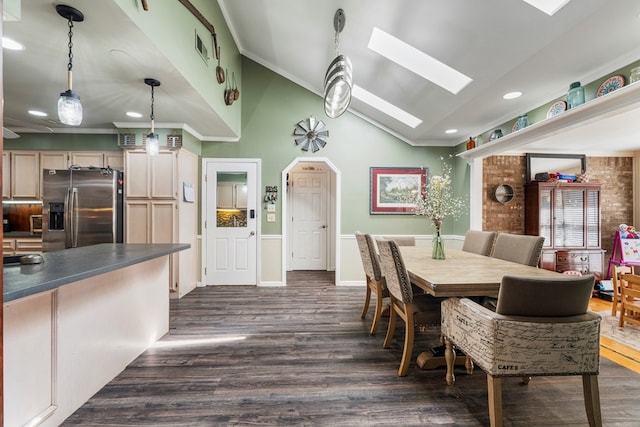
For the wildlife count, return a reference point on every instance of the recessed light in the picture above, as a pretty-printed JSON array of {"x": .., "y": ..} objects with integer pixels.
[
  {"x": 37, "y": 113},
  {"x": 451, "y": 131},
  {"x": 512, "y": 95},
  {"x": 11, "y": 44},
  {"x": 548, "y": 6},
  {"x": 134, "y": 114},
  {"x": 419, "y": 62},
  {"x": 384, "y": 106}
]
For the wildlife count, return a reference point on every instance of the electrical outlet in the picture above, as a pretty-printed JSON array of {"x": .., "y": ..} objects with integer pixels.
[
  {"x": 271, "y": 217},
  {"x": 271, "y": 208}
]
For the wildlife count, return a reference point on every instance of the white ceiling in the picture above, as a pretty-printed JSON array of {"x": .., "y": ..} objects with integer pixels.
[{"x": 503, "y": 45}]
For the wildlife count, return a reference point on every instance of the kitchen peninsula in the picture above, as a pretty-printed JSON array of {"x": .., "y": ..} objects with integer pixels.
[{"x": 75, "y": 321}]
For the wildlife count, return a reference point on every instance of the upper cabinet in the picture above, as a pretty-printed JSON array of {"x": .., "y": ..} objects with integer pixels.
[
  {"x": 25, "y": 175},
  {"x": 151, "y": 177},
  {"x": 22, "y": 169},
  {"x": 605, "y": 125}
]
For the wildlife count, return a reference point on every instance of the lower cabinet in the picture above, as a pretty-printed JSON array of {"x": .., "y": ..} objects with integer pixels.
[
  {"x": 154, "y": 221},
  {"x": 21, "y": 246},
  {"x": 582, "y": 260},
  {"x": 151, "y": 221}
]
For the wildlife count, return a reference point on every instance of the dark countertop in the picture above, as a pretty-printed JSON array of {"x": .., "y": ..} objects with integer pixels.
[
  {"x": 71, "y": 265},
  {"x": 19, "y": 234}
]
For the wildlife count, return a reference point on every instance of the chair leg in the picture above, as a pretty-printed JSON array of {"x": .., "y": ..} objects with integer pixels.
[
  {"x": 592, "y": 400},
  {"x": 449, "y": 357},
  {"x": 377, "y": 314},
  {"x": 391, "y": 328},
  {"x": 366, "y": 300},
  {"x": 494, "y": 387},
  {"x": 407, "y": 351}
]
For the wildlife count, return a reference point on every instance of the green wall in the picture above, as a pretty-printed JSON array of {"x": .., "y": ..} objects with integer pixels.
[
  {"x": 59, "y": 141},
  {"x": 273, "y": 105}
]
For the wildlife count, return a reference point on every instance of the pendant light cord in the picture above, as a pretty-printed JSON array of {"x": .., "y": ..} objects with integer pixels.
[
  {"x": 70, "y": 64},
  {"x": 152, "y": 116}
]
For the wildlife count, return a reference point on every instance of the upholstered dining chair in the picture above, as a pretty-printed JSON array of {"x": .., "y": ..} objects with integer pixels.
[
  {"x": 616, "y": 272},
  {"x": 412, "y": 309},
  {"x": 629, "y": 300},
  {"x": 374, "y": 279},
  {"x": 518, "y": 248},
  {"x": 479, "y": 242},
  {"x": 402, "y": 240},
  {"x": 556, "y": 336}
]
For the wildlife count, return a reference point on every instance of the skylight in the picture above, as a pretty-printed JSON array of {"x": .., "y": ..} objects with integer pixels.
[
  {"x": 548, "y": 6},
  {"x": 384, "y": 106},
  {"x": 419, "y": 62}
]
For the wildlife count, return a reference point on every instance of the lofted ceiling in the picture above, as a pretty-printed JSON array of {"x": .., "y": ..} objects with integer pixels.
[{"x": 502, "y": 45}]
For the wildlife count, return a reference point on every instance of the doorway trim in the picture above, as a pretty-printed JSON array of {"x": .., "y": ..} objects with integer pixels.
[
  {"x": 205, "y": 188},
  {"x": 337, "y": 208}
]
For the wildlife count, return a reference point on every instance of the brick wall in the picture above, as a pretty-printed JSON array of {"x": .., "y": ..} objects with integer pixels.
[{"x": 616, "y": 204}]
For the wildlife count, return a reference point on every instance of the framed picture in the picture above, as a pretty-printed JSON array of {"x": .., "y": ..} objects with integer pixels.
[{"x": 390, "y": 186}]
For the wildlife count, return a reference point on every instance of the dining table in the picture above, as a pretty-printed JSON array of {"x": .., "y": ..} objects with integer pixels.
[{"x": 460, "y": 274}]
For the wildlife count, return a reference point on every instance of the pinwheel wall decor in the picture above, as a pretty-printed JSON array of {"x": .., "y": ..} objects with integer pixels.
[{"x": 311, "y": 133}]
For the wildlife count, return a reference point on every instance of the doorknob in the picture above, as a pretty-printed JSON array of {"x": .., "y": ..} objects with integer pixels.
[
  {"x": 324, "y": 226},
  {"x": 253, "y": 233}
]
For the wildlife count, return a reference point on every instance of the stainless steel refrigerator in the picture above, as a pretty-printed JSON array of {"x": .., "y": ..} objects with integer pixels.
[{"x": 81, "y": 207}]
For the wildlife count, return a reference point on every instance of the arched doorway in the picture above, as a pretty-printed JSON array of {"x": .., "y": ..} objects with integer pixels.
[{"x": 309, "y": 167}]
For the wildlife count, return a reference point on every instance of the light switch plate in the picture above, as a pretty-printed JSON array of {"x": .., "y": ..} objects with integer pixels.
[
  {"x": 271, "y": 208},
  {"x": 271, "y": 217}
]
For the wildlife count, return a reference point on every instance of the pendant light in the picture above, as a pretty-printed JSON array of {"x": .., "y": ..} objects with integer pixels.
[
  {"x": 153, "y": 142},
  {"x": 338, "y": 78},
  {"x": 69, "y": 107}
]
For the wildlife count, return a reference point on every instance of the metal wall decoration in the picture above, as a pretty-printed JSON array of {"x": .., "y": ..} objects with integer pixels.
[{"x": 311, "y": 133}]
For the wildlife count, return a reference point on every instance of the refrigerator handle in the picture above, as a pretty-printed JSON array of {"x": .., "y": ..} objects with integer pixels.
[
  {"x": 74, "y": 217},
  {"x": 67, "y": 219}
]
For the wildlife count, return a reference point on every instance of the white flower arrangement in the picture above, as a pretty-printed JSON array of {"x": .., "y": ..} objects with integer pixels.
[{"x": 438, "y": 202}]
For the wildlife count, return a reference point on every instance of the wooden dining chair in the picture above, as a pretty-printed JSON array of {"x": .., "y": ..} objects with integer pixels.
[
  {"x": 616, "y": 272},
  {"x": 479, "y": 242},
  {"x": 629, "y": 300},
  {"x": 373, "y": 277},
  {"x": 519, "y": 248},
  {"x": 413, "y": 309}
]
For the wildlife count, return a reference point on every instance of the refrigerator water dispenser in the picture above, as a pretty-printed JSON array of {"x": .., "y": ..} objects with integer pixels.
[{"x": 56, "y": 216}]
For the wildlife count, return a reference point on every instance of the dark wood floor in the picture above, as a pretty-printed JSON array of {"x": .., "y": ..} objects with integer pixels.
[{"x": 300, "y": 355}]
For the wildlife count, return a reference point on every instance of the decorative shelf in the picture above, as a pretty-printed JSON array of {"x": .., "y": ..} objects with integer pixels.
[{"x": 607, "y": 124}]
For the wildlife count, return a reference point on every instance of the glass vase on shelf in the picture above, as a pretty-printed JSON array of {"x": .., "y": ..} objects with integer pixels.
[{"x": 438, "y": 246}]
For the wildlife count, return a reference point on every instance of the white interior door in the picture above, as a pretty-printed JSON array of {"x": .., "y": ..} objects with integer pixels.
[
  {"x": 231, "y": 223},
  {"x": 309, "y": 220}
]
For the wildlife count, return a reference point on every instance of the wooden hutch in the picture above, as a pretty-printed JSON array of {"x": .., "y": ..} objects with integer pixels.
[{"x": 568, "y": 216}]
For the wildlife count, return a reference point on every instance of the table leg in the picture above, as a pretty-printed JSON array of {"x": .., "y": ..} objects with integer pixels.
[{"x": 449, "y": 356}]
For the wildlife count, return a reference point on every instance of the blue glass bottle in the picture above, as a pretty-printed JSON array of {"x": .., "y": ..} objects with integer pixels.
[{"x": 575, "y": 96}]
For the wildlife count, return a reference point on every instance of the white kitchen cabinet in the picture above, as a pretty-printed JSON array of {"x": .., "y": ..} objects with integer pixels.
[
  {"x": 114, "y": 160},
  {"x": 156, "y": 212},
  {"x": 151, "y": 221},
  {"x": 25, "y": 175},
  {"x": 54, "y": 160},
  {"x": 152, "y": 177},
  {"x": 21, "y": 246},
  {"x": 86, "y": 159},
  {"x": 231, "y": 195}
]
